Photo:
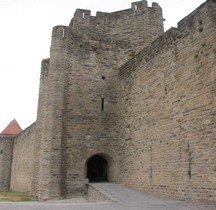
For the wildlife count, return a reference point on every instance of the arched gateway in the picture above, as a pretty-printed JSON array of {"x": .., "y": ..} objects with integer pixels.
[{"x": 97, "y": 169}]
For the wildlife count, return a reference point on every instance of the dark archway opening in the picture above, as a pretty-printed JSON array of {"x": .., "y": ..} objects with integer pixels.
[{"x": 97, "y": 169}]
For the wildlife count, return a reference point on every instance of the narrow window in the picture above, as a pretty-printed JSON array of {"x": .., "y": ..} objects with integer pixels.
[
  {"x": 135, "y": 7},
  {"x": 151, "y": 170},
  {"x": 189, "y": 161},
  {"x": 83, "y": 15},
  {"x": 102, "y": 104},
  {"x": 1, "y": 151},
  {"x": 63, "y": 33}
]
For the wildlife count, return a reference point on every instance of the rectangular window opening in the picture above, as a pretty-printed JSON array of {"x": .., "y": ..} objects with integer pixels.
[{"x": 102, "y": 104}]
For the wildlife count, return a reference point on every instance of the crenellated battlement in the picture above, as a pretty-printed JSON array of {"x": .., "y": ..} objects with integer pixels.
[
  {"x": 138, "y": 25},
  {"x": 135, "y": 6},
  {"x": 139, "y": 5},
  {"x": 82, "y": 13},
  {"x": 193, "y": 25},
  {"x": 61, "y": 31},
  {"x": 83, "y": 16}
]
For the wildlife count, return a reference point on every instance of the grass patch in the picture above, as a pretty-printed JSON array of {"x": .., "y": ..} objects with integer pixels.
[{"x": 14, "y": 196}]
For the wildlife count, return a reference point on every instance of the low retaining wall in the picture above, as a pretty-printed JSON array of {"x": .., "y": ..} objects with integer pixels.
[{"x": 95, "y": 194}]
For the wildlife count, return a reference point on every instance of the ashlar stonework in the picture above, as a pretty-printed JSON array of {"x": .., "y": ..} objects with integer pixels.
[{"x": 121, "y": 101}]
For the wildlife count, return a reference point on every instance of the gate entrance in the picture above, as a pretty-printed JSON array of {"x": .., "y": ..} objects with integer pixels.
[{"x": 97, "y": 169}]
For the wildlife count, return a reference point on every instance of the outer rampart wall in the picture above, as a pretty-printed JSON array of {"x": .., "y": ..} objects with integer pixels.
[
  {"x": 6, "y": 154},
  {"x": 22, "y": 164},
  {"x": 168, "y": 108},
  {"x": 40, "y": 126}
]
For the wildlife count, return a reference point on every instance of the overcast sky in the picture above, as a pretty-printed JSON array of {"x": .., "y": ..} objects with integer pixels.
[{"x": 25, "y": 38}]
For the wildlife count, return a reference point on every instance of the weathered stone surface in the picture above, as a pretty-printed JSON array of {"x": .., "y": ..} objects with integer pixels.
[
  {"x": 167, "y": 119},
  {"x": 21, "y": 172},
  {"x": 6, "y": 153},
  {"x": 117, "y": 87},
  {"x": 80, "y": 92}
]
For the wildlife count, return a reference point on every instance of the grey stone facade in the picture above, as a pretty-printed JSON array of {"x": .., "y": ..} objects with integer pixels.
[
  {"x": 79, "y": 88},
  {"x": 122, "y": 101},
  {"x": 6, "y": 154}
]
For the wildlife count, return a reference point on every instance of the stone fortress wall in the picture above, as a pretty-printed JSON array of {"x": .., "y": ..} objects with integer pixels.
[
  {"x": 6, "y": 154},
  {"x": 16, "y": 160},
  {"x": 22, "y": 164},
  {"x": 79, "y": 93},
  {"x": 147, "y": 108},
  {"x": 168, "y": 107}
]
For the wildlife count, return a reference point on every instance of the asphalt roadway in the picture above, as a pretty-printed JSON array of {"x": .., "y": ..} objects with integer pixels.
[{"x": 125, "y": 199}]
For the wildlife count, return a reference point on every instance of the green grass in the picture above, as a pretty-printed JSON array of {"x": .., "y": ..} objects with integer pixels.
[{"x": 14, "y": 196}]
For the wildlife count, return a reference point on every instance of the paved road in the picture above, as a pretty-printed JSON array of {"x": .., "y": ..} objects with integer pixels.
[{"x": 126, "y": 199}]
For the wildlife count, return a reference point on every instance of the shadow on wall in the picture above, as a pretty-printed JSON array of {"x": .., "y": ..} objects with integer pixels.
[{"x": 101, "y": 168}]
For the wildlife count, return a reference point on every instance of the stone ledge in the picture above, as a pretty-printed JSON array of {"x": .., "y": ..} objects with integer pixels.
[{"x": 96, "y": 194}]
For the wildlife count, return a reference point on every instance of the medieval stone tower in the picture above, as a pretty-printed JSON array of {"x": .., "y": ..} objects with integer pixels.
[
  {"x": 122, "y": 101},
  {"x": 78, "y": 114}
]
